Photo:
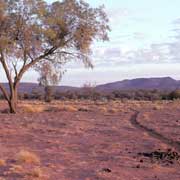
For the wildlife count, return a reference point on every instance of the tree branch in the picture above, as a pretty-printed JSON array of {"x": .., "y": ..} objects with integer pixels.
[
  {"x": 5, "y": 67},
  {"x": 15, "y": 69},
  {"x": 33, "y": 62}
]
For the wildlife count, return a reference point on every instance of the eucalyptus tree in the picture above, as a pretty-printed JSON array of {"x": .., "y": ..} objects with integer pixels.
[{"x": 33, "y": 32}]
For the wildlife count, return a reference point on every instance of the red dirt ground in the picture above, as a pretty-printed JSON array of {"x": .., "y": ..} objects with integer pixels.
[{"x": 93, "y": 145}]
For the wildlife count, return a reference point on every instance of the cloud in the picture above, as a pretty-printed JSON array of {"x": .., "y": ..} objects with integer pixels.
[
  {"x": 112, "y": 52},
  {"x": 122, "y": 54},
  {"x": 176, "y": 21},
  {"x": 139, "y": 35},
  {"x": 174, "y": 49}
]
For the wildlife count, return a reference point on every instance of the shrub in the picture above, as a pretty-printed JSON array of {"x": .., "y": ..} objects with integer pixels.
[
  {"x": 175, "y": 94},
  {"x": 27, "y": 157}
]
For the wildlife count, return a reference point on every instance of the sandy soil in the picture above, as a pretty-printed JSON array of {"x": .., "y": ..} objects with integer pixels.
[{"x": 97, "y": 141}]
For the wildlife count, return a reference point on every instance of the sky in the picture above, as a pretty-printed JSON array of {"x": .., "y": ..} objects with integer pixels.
[{"x": 144, "y": 42}]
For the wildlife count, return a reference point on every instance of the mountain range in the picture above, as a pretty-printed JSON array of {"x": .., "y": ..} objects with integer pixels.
[{"x": 164, "y": 83}]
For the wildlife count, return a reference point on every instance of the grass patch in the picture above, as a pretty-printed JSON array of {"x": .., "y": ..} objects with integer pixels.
[{"x": 27, "y": 157}]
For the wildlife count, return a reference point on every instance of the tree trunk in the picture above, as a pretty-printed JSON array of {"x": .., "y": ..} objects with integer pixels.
[
  {"x": 12, "y": 106},
  {"x": 13, "y": 101}
]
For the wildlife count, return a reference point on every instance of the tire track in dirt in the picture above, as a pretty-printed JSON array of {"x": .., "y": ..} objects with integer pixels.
[{"x": 153, "y": 133}]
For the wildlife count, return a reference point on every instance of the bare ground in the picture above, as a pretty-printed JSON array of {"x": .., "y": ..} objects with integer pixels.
[{"x": 97, "y": 141}]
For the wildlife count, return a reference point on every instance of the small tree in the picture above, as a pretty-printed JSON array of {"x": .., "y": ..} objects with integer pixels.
[
  {"x": 33, "y": 32},
  {"x": 89, "y": 91},
  {"x": 49, "y": 76}
]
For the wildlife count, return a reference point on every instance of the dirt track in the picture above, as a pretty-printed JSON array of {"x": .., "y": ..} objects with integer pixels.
[{"x": 153, "y": 133}]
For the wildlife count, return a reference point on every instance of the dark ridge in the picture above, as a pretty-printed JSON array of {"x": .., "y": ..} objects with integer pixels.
[{"x": 165, "y": 83}]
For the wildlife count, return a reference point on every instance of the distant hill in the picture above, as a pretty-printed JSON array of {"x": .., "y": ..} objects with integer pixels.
[
  {"x": 30, "y": 87},
  {"x": 165, "y": 83}
]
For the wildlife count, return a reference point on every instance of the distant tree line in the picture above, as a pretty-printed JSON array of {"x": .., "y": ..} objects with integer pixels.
[{"x": 91, "y": 93}]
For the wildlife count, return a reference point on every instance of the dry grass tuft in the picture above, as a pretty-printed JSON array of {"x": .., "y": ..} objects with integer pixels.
[
  {"x": 36, "y": 173},
  {"x": 30, "y": 108},
  {"x": 17, "y": 169},
  {"x": 103, "y": 109},
  {"x": 52, "y": 109},
  {"x": 27, "y": 157},
  {"x": 38, "y": 108},
  {"x": 84, "y": 109},
  {"x": 68, "y": 108},
  {"x": 2, "y": 162},
  {"x": 157, "y": 107},
  {"x": 112, "y": 110}
]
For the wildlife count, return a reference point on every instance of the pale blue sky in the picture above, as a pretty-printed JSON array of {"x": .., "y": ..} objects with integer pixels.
[{"x": 144, "y": 42}]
